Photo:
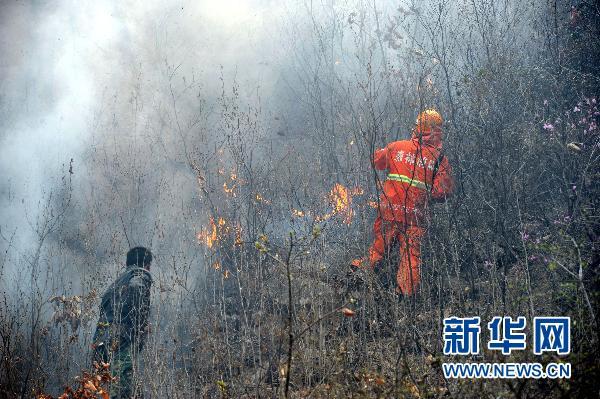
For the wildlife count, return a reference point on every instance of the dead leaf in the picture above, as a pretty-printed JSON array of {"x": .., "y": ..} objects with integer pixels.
[
  {"x": 574, "y": 147},
  {"x": 348, "y": 312}
]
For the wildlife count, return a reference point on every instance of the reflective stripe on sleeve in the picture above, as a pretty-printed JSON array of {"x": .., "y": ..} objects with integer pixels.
[{"x": 405, "y": 179}]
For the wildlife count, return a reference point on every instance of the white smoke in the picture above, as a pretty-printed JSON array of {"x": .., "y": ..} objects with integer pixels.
[{"x": 67, "y": 65}]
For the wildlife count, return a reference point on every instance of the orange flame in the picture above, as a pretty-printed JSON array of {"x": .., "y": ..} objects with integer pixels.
[
  {"x": 238, "y": 235},
  {"x": 259, "y": 198},
  {"x": 341, "y": 199},
  {"x": 297, "y": 213},
  {"x": 208, "y": 236},
  {"x": 218, "y": 230},
  {"x": 229, "y": 190}
]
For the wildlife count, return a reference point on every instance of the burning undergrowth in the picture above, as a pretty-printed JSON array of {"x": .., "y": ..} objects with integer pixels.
[{"x": 256, "y": 202}]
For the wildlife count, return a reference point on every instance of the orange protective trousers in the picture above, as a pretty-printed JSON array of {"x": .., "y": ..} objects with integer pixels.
[{"x": 409, "y": 240}]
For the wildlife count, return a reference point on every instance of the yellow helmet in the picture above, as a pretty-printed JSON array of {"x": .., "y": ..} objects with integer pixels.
[{"x": 428, "y": 120}]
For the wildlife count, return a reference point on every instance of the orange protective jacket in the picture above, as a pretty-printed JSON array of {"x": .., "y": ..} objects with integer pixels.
[{"x": 415, "y": 172}]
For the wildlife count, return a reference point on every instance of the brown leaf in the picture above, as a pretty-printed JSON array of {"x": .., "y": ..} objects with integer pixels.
[
  {"x": 574, "y": 147},
  {"x": 348, "y": 312}
]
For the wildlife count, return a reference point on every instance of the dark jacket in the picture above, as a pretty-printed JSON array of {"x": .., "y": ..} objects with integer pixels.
[{"x": 124, "y": 310}]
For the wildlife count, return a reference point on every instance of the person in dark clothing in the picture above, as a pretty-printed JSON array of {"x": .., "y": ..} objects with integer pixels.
[{"x": 123, "y": 323}]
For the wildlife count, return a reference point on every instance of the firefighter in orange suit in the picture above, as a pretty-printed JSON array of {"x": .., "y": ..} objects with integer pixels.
[{"x": 417, "y": 173}]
